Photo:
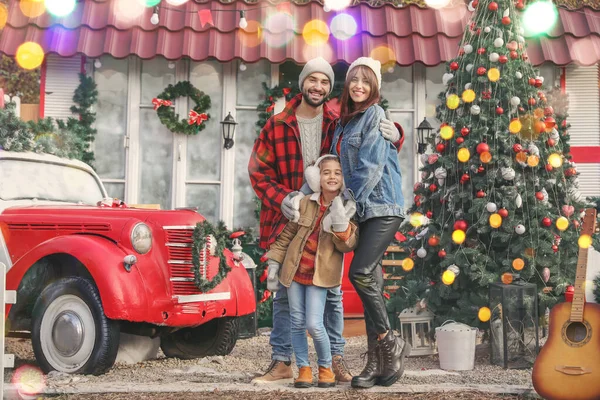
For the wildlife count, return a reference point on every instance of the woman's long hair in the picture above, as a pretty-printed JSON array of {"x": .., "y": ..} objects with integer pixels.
[{"x": 348, "y": 108}]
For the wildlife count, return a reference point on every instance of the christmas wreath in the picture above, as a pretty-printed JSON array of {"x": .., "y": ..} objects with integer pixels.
[
  {"x": 197, "y": 115},
  {"x": 201, "y": 231}
]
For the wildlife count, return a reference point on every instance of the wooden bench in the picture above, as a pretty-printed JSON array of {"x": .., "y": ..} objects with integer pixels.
[{"x": 392, "y": 264}]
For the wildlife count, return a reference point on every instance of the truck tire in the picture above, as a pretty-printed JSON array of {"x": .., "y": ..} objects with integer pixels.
[
  {"x": 214, "y": 338},
  {"x": 70, "y": 332}
]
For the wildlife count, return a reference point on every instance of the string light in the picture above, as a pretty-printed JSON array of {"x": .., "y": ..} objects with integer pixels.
[
  {"x": 243, "y": 22},
  {"x": 97, "y": 63},
  {"x": 154, "y": 19}
]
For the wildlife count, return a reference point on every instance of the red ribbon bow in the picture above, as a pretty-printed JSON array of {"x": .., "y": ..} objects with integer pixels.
[
  {"x": 195, "y": 118},
  {"x": 160, "y": 102}
]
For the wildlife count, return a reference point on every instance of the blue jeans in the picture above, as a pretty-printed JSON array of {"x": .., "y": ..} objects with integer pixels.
[
  {"x": 307, "y": 306},
  {"x": 281, "y": 339}
]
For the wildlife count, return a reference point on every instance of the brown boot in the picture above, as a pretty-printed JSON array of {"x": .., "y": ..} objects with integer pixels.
[
  {"x": 278, "y": 372},
  {"x": 305, "y": 378},
  {"x": 326, "y": 377},
  {"x": 341, "y": 370}
]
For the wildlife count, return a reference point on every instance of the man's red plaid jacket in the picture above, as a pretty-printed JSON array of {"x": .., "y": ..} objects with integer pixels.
[{"x": 276, "y": 166}]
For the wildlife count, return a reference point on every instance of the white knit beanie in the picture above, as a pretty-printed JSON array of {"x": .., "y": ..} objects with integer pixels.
[
  {"x": 318, "y": 64},
  {"x": 375, "y": 66}
]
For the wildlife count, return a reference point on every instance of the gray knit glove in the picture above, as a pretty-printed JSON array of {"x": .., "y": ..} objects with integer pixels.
[
  {"x": 389, "y": 130},
  {"x": 339, "y": 220},
  {"x": 273, "y": 275},
  {"x": 289, "y": 208}
]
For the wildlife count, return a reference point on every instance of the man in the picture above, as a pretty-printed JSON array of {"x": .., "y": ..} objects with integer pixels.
[{"x": 296, "y": 137}]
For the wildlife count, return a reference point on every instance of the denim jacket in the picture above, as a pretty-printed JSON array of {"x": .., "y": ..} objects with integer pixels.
[{"x": 370, "y": 166}]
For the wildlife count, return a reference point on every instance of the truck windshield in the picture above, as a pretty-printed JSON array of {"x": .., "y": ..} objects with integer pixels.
[{"x": 23, "y": 179}]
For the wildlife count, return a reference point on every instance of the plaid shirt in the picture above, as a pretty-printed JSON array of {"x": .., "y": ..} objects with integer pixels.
[{"x": 276, "y": 167}]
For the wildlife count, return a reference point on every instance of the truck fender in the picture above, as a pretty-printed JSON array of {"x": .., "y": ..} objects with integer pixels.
[
  {"x": 123, "y": 294},
  {"x": 240, "y": 284}
]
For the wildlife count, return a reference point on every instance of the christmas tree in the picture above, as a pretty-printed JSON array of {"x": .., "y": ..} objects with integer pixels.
[{"x": 497, "y": 200}]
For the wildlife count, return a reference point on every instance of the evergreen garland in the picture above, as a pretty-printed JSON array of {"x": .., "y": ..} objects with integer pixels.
[
  {"x": 167, "y": 115},
  {"x": 201, "y": 231}
]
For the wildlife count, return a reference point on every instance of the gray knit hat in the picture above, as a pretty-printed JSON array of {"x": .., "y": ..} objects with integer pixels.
[{"x": 318, "y": 64}]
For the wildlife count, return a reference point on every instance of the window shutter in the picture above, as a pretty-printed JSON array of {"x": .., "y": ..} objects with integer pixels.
[
  {"x": 62, "y": 78},
  {"x": 584, "y": 105},
  {"x": 589, "y": 179}
]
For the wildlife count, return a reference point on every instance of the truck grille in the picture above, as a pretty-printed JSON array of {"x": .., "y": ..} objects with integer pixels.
[{"x": 179, "y": 248}]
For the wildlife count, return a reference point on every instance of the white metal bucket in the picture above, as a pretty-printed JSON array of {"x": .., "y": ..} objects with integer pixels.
[{"x": 456, "y": 346}]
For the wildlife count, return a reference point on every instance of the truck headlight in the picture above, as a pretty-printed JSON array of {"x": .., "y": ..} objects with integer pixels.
[{"x": 141, "y": 238}]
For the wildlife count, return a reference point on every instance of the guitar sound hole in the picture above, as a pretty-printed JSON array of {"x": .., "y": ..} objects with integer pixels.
[{"x": 576, "y": 332}]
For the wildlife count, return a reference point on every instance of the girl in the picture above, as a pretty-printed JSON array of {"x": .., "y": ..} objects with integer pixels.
[{"x": 372, "y": 173}]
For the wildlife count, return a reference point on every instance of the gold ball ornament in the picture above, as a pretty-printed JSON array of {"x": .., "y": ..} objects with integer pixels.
[
  {"x": 458, "y": 236},
  {"x": 515, "y": 126},
  {"x": 452, "y": 102},
  {"x": 584, "y": 241},
  {"x": 495, "y": 220},
  {"x": 533, "y": 160},
  {"x": 408, "y": 264},
  {"x": 468, "y": 96},
  {"x": 447, "y": 132},
  {"x": 484, "y": 314},
  {"x": 518, "y": 264},
  {"x": 448, "y": 277},
  {"x": 555, "y": 160},
  {"x": 562, "y": 223},
  {"x": 463, "y": 155},
  {"x": 493, "y": 74}
]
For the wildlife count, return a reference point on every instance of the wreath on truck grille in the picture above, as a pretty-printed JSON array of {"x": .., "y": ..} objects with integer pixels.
[
  {"x": 201, "y": 231},
  {"x": 163, "y": 105}
]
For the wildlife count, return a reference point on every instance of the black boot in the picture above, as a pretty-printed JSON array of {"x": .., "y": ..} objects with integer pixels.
[
  {"x": 370, "y": 374},
  {"x": 392, "y": 351}
]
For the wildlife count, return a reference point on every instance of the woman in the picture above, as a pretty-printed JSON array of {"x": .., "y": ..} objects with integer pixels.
[{"x": 372, "y": 172}]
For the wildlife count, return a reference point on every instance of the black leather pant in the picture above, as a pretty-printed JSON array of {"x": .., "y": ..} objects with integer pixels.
[{"x": 366, "y": 274}]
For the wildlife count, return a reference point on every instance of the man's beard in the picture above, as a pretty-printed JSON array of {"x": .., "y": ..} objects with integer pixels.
[{"x": 306, "y": 97}]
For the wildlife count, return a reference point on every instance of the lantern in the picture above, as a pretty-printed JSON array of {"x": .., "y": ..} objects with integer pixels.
[
  {"x": 514, "y": 324},
  {"x": 415, "y": 328},
  {"x": 248, "y": 323},
  {"x": 423, "y": 131},
  {"x": 228, "y": 127}
]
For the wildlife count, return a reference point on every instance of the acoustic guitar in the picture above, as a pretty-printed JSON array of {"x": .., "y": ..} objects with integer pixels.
[{"x": 568, "y": 366}]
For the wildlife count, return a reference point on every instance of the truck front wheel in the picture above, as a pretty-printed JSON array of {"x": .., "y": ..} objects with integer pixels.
[
  {"x": 70, "y": 332},
  {"x": 214, "y": 338}
]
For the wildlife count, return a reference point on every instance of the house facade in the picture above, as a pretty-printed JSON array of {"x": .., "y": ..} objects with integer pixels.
[{"x": 133, "y": 60}]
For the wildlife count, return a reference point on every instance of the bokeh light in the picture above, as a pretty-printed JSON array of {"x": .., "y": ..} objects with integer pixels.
[
  {"x": 447, "y": 132},
  {"x": 324, "y": 50},
  {"x": 437, "y": 3},
  {"x": 408, "y": 264},
  {"x": 385, "y": 56},
  {"x": 278, "y": 29},
  {"x": 448, "y": 277},
  {"x": 343, "y": 26},
  {"x": 484, "y": 314},
  {"x": 315, "y": 32},
  {"x": 60, "y": 8},
  {"x": 518, "y": 264},
  {"x": 336, "y": 5},
  {"x": 463, "y": 155},
  {"x": 495, "y": 220},
  {"x": 452, "y": 102},
  {"x": 149, "y": 3},
  {"x": 585, "y": 241},
  {"x": 416, "y": 219},
  {"x": 176, "y": 2},
  {"x": 539, "y": 17},
  {"x": 458, "y": 236},
  {"x": 3, "y": 15},
  {"x": 29, "y": 380},
  {"x": 252, "y": 36},
  {"x": 30, "y": 55},
  {"x": 127, "y": 11},
  {"x": 562, "y": 223},
  {"x": 32, "y": 8},
  {"x": 507, "y": 278},
  {"x": 555, "y": 160}
]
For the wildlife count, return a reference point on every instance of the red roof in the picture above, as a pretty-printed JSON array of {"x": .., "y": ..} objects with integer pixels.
[{"x": 414, "y": 34}]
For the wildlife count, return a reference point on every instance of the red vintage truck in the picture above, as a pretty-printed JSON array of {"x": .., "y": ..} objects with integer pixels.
[{"x": 86, "y": 269}]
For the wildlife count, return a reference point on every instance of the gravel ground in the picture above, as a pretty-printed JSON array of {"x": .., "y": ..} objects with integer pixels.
[{"x": 250, "y": 357}]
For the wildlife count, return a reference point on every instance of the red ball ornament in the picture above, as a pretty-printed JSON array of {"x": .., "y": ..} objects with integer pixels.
[
  {"x": 520, "y": 5},
  {"x": 550, "y": 122},
  {"x": 453, "y": 65},
  {"x": 429, "y": 214},
  {"x": 475, "y": 3},
  {"x": 555, "y": 248},
  {"x": 549, "y": 167},
  {"x": 480, "y": 194},
  {"x": 493, "y": 6},
  {"x": 432, "y": 187},
  {"x": 539, "y": 195},
  {"x": 513, "y": 55},
  {"x": 465, "y": 131},
  {"x": 499, "y": 110},
  {"x": 464, "y": 178},
  {"x": 481, "y": 71},
  {"x": 521, "y": 109},
  {"x": 532, "y": 81},
  {"x": 538, "y": 83},
  {"x": 442, "y": 253},
  {"x": 531, "y": 101},
  {"x": 550, "y": 142},
  {"x": 517, "y": 148},
  {"x": 433, "y": 241},
  {"x": 440, "y": 147},
  {"x": 460, "y": 140},
  {"x": 482, "y": 147},
  {"x": 461, "y": 225},
  {"x": 505, "y": 20},
  {"x": 548, "y": 111},
  {"x": 481, "y": 169},
  {"x": 481, "y": 51},
  {"x": 503, "y": 212},
  {"x": 546, "y": 222},
  {"x": 502, "y": 59}
]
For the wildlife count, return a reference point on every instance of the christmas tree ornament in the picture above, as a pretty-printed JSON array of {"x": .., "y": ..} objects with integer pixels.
[
  {"x": 494, "y": 57},
  {"x": 499, "y": 110},
  {"x": 440, "y": 147},
  {"x": 550, "y": 123},
  {"x": 539, "y": 196},
  {"x": 447, "y": 132},
  {"x": 507, "y": 278},
  {"x": 584, "y": 241},
  {"x": 469, "y": 67},
  {"x": 555, "y": 248},
  {"x": 502, "y": 59},
  {"x": 562, "y": 223},
  {"x": 546, "y": 222},
  {"x": 548, "y": 111},
  {"x": 447, "y": 77},
  {"x": 452, "y": 102},
  {"x": 546, "y": 274},
  {"x": 521, "y": 157},
  {"x": 518, "y": 75},
  {"x": 460, "y": 140},
  {"x": 468, "y": 85},
  {"x": 461, "y": 225},
  {"x": 481, "y": 71},
  {"x": 470, "y": 6},
  {"x": 440, "y": 174},
  {"x": 495, "y": 220},
  {"x": 408, "y": 264},
  {"x": 464, "y": 178},
  {"x": 480, "y": 194},
  {"x": 424, "y": 158},
  {"x": 464, "y": 131},
  {"x": 432, "y": 159},
  {"x": 416, "y": 219},
  {"x": 519, "y": 229},
  {"x": 532, "y": 102},
  {"x": 517, "y": 148},
  {"x": 429, "y": 214},
  {"x": 485, "y": 157},
  {"x": 442, "y": 253},
  {"x": 520, "y": 5},
  {"x": 503, "y": 212},
  {"x": 545, "y": 194},
  {"x": 454, "y": 66},
  {"x": 491, "y": 207},
  {"x": 448, "y": 277},
  {"x": 513, "y": 56},
  {"x": 505, "y": 21},
  {"x": 432, "y": 187},
  {"x": 424, "y": 175},
  {"x": 480, "y": 169},
  {"x": 533, "y": 160},
  {"x": 486, "y": 94},
  {"x": 484, "y": 314},
  {"x": 550, "y": 142},
  {"x": 493, "y": 6},
  {"x": 475, "y": 110},
  {"x": 549, "y": 167},
  {"x": 468, "y": 49},
  {"x": 567, "y": 210},
  {"x": 518, "y": 264},
  {"x": 515, "y": 101},
  {"x": 538, "y": 83},
  {"x": 482, "y": 147},
  {"x": 433, "y": 241},
  {"x": 481, "y": 51},
  {"x": 463, "y": 155},
  {"x": 468, "y": 96},
  {"x": 421, "y": 253},
  {"x": 533, "y": 149},
  {"x": 507, "y": 173},
  {"x": 531, "y": 81},
  {"x": 514, "y": 126},
  {"x": 498, "y": 42},
  {"x": 458, "y": 236},
  {"x": 487, "y": 29},
  {"x": 493, "y": 74}
]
